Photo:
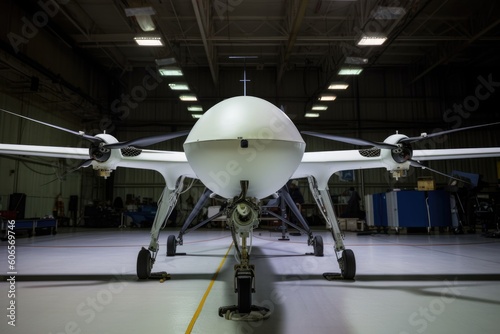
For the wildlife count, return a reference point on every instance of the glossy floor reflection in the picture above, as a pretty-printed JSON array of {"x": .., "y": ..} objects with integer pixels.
[{"x": 84, "y": 282}]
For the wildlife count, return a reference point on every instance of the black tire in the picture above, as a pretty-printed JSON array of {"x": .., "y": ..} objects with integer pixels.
[
  {"x": 244, "y": 294},
  {"x": 348, "y": 264},
  {"x": 318, "y": 245},
  {"x": 144, "y": 264},
  {"x": 171, "y": 245}
]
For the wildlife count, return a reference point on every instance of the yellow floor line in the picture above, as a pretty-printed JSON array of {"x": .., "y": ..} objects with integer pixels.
[{"x": 202, "y": 302}]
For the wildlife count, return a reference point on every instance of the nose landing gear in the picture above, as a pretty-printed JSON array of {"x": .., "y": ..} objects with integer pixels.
[{"x": 242, "y": 219}]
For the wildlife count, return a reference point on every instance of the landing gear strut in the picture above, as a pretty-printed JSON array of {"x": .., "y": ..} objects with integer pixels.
[
  {"x": 345, "y": 257},
  {"x": 146, "y": 257},
  {"x": 287, "y": 201},
  {"x": 244, "y": 286},
  {"x": 242, "y": 215}
]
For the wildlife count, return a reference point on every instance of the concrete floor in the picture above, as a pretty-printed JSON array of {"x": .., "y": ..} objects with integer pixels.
[{"x": 84, "y": 282}]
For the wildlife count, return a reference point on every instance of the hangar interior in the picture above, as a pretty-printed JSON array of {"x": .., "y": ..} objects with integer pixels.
[{"x": 78, "y": 64}]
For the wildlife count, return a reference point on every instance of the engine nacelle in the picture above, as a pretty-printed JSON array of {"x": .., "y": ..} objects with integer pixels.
[
  {"x": 398, "y": 158},
  {"x": 105, "y": 160}
]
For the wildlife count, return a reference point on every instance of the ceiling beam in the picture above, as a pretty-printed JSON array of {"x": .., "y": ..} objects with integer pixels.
[
  {"x": 114, "y": 54},
  {"x": 292, "y": 37},
  {"x": 204, "y": 21},
  {"x": 128, "y": 38},
  {"x": 451, "y": 53}
]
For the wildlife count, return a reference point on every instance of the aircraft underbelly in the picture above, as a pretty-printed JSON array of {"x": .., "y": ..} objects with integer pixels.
[{"x": 266, "y": 164}]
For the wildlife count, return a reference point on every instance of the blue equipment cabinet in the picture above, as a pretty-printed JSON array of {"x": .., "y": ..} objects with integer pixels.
[
  {"x": 376, "y": 210},
  {"x": 409, "y": 209},
  {"x": 439, "y": 208}
]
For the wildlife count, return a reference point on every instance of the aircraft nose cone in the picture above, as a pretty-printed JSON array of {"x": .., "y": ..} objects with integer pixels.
[{"x": 244, "y": 138}]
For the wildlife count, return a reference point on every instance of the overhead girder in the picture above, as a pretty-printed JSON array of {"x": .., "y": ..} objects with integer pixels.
[
  {"x": 298, "y": 17},
  {"x": 202, "y": 10}
]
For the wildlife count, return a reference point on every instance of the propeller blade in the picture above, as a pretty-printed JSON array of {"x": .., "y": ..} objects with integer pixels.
[
  {"x": 415, "y": 163},
  {"x": 86, "y": 163},
  {"x": 442, "y": 133},
  {"x": 354, "y": 141},
  {"x": 80, "y": 134},
  {"x": 142, "y": 142}
]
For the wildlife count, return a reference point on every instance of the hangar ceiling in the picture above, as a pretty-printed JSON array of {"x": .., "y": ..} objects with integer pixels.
[
  {"x": 284, "y": 34},
  {"x": 278, "y": 35}
]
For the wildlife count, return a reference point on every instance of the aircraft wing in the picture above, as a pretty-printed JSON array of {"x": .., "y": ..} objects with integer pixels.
[
  {"x": 459, "y": 153},
  {"x": 45, "y": 151},
  {"x": 171, "y": 164},
  {"x": 323, "y": 164}
]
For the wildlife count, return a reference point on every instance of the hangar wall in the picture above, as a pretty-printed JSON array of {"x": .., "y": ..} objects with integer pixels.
[
  {"x": 379, "y": 103},
  {"x": 39, "y": 178},
  {"x": 46, "y": 78}
]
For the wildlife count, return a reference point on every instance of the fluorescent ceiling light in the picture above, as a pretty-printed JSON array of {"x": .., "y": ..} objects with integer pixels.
[
  {"x": 350, "y": 71},
  {"x": 145, "y": 22},
  {"x": 319, "y": 107},
  {"x": 338, "y": 85},
  {"x": 356, "y": 60},
  {"x": 243, "y": 57},
  {"x": 149, "y": 41},
  {"x": 170, "y": 71},
  {"x": 195, "y": 108},
  {"x": 327, "y": 98},
  {"x": 143, "y": 17},
  {"x": 312, "y": 114},
  {"x": 165, "y": 61},
  {"x": 371, "y": 40},
  {"x": 188, "y": 97},
  {"x": 178, "y": 86},
  {"x": 139, "y": 11},
  {"x": 388, "y": 13},
  {"x": 196, "y": 115}
]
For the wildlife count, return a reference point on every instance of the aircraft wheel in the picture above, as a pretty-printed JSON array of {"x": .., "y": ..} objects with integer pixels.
[
  {"x": 171, "y": 245},
  {"x": 348, "y": 264},
  {"x": 244, "y": 294},
  {"x": 318, "y": 245},
  {"x": 144, "y": 264}
]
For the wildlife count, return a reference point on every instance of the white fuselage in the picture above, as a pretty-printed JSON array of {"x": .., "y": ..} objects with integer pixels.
[{"x": 244, "y": 139}]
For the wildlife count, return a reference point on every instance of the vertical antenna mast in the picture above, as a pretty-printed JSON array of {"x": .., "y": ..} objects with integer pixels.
[{"x": 244, "y": 70}]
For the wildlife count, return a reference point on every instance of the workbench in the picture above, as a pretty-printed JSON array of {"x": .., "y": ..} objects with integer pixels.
[{"x": 31, "y": 226}]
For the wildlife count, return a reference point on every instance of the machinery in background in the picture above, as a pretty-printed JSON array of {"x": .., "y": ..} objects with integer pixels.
[
  {"x": 460, "y": 206},
  {"x": 411, "y": 209}
]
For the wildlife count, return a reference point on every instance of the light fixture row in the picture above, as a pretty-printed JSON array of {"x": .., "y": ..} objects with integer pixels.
[
  {"x": 336, "y": 85},
  {"x": 167, "y": 67}
]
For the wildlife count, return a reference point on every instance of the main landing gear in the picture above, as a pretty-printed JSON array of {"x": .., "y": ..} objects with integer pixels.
[
  {"x": 146, "y": 257},
  {"x": 285, "y": 200},
  {"x": 345, "y": 257},
  {"x": 242, "y": 217}
]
